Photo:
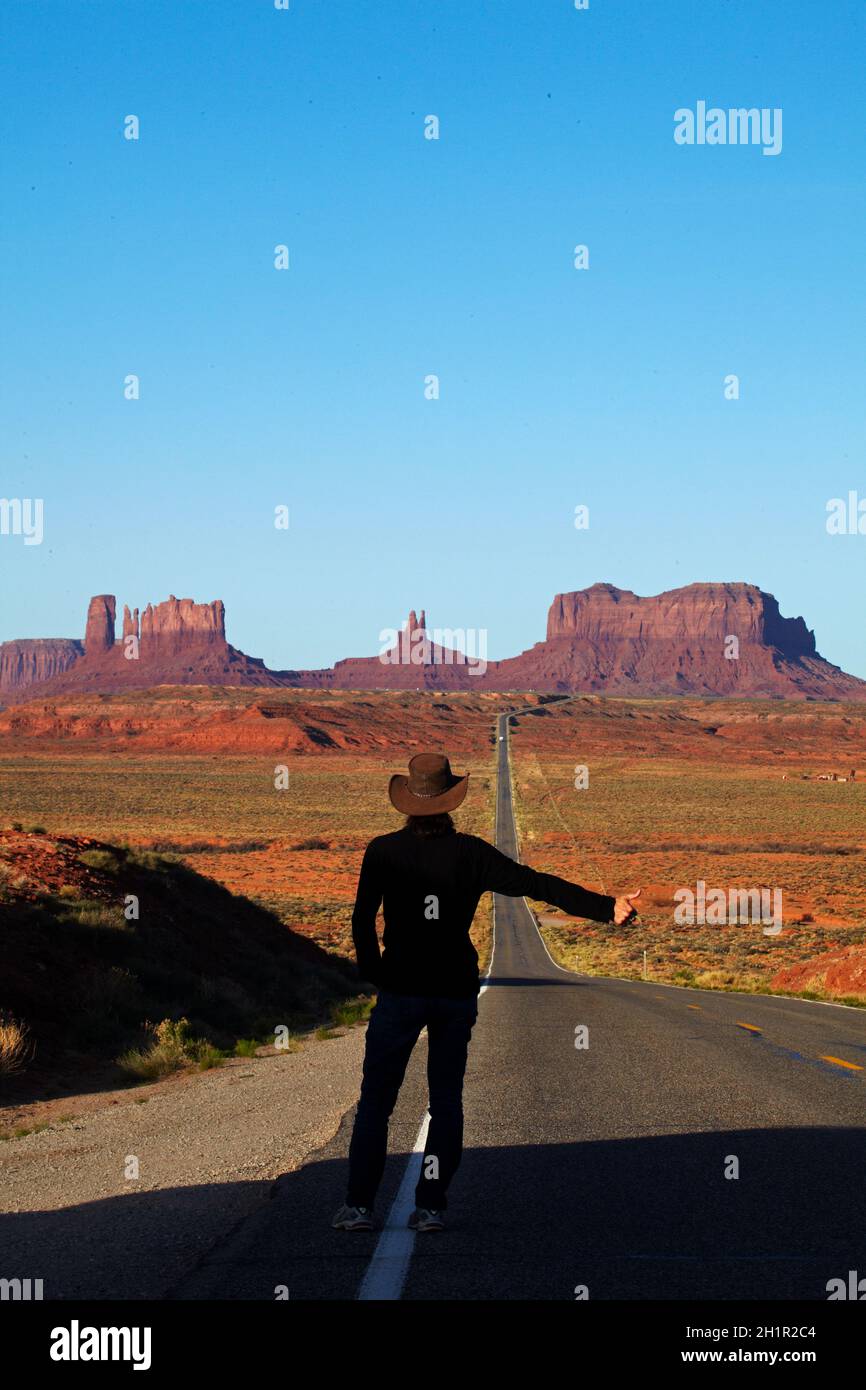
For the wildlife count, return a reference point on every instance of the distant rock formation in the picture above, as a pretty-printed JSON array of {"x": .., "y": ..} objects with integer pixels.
[
  {"x": 704, "y": 639},
  {"x": 99, "y": 632},
  {"x": 413, "y": 661},
  {"x": 32, "y": 659},
  {"x": 708, "y": 612},
  {"x": 179, "y": 642},
  {"x": 180, "y": 623},
  {"x": 130, "y": 622}
]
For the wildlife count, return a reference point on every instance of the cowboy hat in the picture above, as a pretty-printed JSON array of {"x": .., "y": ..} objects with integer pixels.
[{"x": 430, "y": 789}]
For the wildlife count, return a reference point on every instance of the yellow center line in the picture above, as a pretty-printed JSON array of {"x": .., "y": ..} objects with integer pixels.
[
  {"x": 825, "y": 1057},
  {"x": 852, "y": 1066}
]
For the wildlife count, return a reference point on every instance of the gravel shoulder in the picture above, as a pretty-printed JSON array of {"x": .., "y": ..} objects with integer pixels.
[{"x": 208, "y": 1147}]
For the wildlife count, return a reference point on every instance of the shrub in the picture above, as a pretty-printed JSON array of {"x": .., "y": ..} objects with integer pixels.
[
  {"x": 23, "y": 1130},
  {"x": 97, "y": 914},
  {"x": 166, "y": 1054},
  {"x": 208, "y": 1056},
  {"x": 173, "y": 1033},
  {"x": 683, "y": 976},
  {"x": 355, "y": 1011},
  {"x": 101, "y": 859},
  {"x": 16, "y": 1047}
]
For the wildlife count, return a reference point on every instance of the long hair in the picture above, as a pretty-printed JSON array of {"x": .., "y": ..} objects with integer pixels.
[{"x": 431, "y": 826}]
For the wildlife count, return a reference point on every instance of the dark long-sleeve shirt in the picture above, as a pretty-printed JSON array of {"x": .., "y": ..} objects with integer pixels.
[{"x": 429, "y": 889}]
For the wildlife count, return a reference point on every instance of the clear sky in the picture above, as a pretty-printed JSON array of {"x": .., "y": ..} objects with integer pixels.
[{"x": 410, "y": 257}]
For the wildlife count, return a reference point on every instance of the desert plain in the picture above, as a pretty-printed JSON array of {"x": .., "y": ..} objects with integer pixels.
[{"x": 272, "y": 796}]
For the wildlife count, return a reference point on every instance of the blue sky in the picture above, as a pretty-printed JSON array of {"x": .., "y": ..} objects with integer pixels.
[{"x": 409, "y": 257}]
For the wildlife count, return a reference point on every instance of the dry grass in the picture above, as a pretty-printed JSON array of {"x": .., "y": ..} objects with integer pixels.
[
  {"x": 664, "y": 823},
  {"x": 172, "y": 1048},
  {"x": 16, "y": 1045}
]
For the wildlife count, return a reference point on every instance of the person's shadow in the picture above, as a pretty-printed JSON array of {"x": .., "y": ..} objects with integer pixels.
[{"x": 639, "y": 1218}]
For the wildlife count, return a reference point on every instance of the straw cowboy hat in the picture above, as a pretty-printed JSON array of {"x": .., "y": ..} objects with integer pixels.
[{"x": 430, "y": 789}]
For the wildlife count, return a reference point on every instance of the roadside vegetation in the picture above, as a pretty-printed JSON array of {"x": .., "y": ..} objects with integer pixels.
[
  {"x": 132, "y": 960},
  {"x": 661, "y": 816}
]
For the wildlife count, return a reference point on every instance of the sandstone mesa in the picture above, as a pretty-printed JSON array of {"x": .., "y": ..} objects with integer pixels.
[{"x": 600, "y": 640}]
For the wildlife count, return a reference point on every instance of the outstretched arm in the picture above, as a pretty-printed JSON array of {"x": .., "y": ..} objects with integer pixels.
[
  {"x": 504, "y": 875},
  {"x": 367, "y": 901}
]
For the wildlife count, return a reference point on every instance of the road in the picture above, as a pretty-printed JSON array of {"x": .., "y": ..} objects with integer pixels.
[{"x": 603, "y": 1171}]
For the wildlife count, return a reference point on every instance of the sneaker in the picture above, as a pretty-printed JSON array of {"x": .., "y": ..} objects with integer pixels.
[
  {"x": 422, "y": 1219},
  {"x": 353, "y": 1219}
]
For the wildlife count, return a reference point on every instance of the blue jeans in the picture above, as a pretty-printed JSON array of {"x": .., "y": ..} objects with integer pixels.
[{"x": 394, "y": 1027}]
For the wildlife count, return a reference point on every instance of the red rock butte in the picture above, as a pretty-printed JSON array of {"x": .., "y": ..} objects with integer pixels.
[
  {"x": 178, "y": 642},
  {"x": 704, "y": 639}
]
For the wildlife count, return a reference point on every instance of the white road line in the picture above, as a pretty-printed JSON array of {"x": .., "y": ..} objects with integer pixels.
[{"x": 387, "y": 1270}]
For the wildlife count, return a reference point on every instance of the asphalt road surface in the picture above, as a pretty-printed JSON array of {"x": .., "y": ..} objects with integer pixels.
[{"x": 599, "y": 1171}]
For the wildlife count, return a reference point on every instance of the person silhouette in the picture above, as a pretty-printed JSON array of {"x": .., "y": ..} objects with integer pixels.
[{"x": 428, "y": 878}]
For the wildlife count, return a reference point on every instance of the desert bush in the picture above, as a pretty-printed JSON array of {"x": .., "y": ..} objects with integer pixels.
[
  {"x": 173, "y": 1033},
  {"x": 187, "y": 847},
  {"x": 729, "y": 979},
  {"x": 96, "y": 914},
  {"x": 355, "y": 1011},
  {"x": 102, "y": 859},
  {"x": 205, "y": 1055},
  {"x": 167, "y": 1053},
  {"x": 147, "y": 1064},
  {"x": 16, "y": 1046},
  {"x": 154, "y": 863},
  {"x": 683, "y": 976},
  {"x": 210, "y": 1057}
]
